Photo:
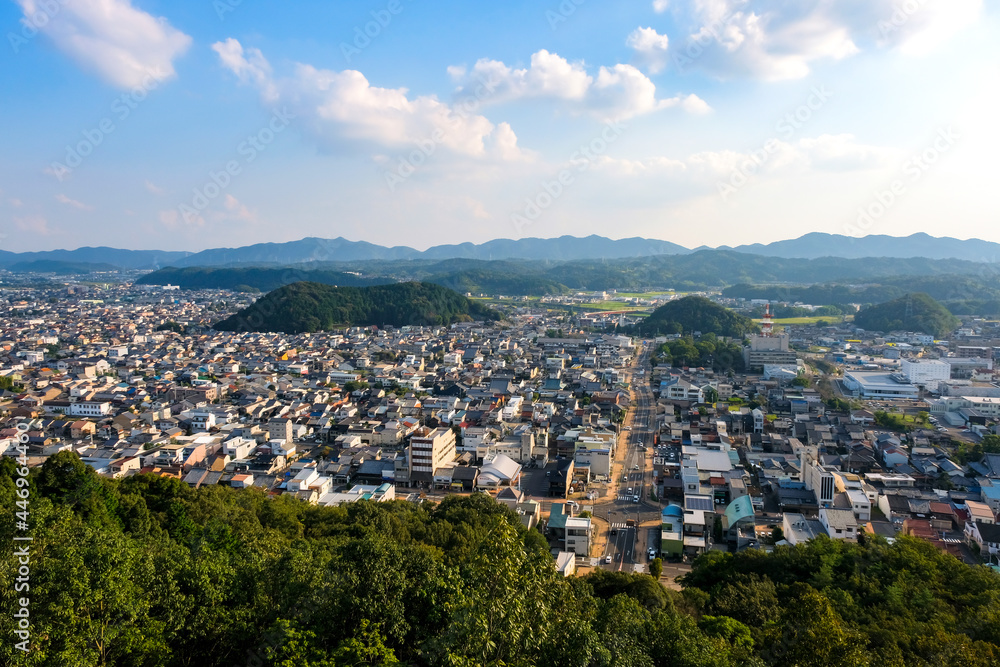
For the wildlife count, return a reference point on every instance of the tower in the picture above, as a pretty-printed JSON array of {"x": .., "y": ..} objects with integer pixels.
[{"x": 767, "y": 324}]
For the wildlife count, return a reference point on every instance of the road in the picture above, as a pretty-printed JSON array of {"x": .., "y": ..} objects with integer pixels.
[{"x": 632, "y": 477}]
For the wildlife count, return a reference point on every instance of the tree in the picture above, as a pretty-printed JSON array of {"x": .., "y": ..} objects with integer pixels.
[
  {"x": 656, "y": 568},
  {"x": 991, "y": 444}
]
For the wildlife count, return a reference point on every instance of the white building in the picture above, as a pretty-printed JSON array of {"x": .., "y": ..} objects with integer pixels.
[
  {"x": 879, "y": 385},
  {"x": 90, "y": 409},
  {"x": 927, "y": 372}
]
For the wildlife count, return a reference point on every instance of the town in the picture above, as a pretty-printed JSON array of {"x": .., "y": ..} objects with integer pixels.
[{"x": 622, "y": 460}]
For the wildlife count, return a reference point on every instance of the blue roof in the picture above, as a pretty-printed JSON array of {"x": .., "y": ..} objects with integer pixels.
[
  {"x": 673, "y": 510},
  {"x": 741, "y": 508},
  {"x": 991, "y": 492}
]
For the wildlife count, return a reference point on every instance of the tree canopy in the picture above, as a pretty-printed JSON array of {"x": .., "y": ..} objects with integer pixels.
[
  {"x": 309, "y": 307},
  {"x": 149, "y": 572},
  {"x": 696, "y": 314},
  {"x": 912, "y": 312}
]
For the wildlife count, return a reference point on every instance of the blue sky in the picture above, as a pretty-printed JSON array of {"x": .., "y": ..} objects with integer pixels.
[{"x": 190, "y": 125}]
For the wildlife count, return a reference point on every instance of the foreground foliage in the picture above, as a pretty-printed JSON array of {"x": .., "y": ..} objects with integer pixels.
[{"x": 148, "y": 572}]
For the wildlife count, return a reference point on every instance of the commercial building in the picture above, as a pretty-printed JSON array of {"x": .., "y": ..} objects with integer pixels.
[
  {"x": 927, "y": 372},
  {"x": 867, "y": 384},
  {"x": 769, "y": 351},
  {"x": 429, "y": 450}
]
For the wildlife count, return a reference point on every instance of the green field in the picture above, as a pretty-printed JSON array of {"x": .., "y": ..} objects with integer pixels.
[{"x": 646, "y": 295}]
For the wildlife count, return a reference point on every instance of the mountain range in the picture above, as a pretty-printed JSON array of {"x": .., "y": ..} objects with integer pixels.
[{"x": 565, "y": 248}]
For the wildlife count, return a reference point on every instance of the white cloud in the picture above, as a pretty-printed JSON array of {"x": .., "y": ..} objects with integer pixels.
[
  {"x": 660, "y": 6},
  {"x": 63, "y": 199},
  {"x": 650, "y": 48},
  {"x": 236, "y": 210},
  {"x": 173, "y": 220},
  {"x": 122, "y": 44},
  {"x": 618, "y": 92},
  {"x": 34, "y": 224},
  {"x": 704, "y": 170},
  {"x": 779, "y": 41},
  {"x": 343, "y": 107},
  {"x": 154, "y": 189}
]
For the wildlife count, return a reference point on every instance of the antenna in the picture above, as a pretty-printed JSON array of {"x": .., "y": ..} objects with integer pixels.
[{"x": 767, "y": 324}]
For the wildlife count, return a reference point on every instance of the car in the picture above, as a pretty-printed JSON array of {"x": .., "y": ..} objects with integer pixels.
[
  {"x": 635, "y": 467},
  {"x": 629, "y": 492},
  {"x": 635, "y": 499},
  {"x": 607, "y": 559},
  {"x": 614, "y": 531}
]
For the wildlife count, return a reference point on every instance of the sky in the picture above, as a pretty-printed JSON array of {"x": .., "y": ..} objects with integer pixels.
[{"x": 187, "y": 125}]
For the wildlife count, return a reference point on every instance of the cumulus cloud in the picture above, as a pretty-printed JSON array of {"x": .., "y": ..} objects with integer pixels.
[
  {"x": 660, "y": 6},
  {"x": 34, "y": 224},
  {"x": 706, "y": 169},
  {"x": 122, "y": 44},
  {"x": 63, "y": 199},
  {"x": 236, "y": 210},
  {"x": 650, "y": 48},
  {"x": 617, "y": 92},
  {"x": 173, "y": 220},
  {"x": 779, "y": 41},
  {"x": 340, "y": 108}
]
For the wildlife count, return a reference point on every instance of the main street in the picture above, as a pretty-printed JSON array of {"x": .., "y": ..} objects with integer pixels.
[{"x": 628, "y": 504}]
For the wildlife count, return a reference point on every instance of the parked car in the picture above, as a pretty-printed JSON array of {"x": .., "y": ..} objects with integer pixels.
[{"x": 607, "y": 559}]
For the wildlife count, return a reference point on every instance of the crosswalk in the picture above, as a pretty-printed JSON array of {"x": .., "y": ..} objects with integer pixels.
[
  {"x": 619, "y": 525},
  {"x": 626, "y": 497}
]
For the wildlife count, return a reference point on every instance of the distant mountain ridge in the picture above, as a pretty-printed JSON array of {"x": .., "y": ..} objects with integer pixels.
[
  {"x": 816, "y": 245},
  {"x": 565, "y": 248}
]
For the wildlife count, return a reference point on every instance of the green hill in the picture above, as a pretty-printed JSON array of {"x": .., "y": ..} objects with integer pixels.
[
  {"x": 696, "y": 313},
  {"x": 307, "y": 307},
  {"x": 911, "y": 312}
]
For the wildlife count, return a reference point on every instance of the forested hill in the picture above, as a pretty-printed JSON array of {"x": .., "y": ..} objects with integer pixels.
[
  {"x": 696, "y": 313},
  {"x": 148, "y": 571},
  {"x": 307, "y": 307},
  {"x": 912, "y": 312}
]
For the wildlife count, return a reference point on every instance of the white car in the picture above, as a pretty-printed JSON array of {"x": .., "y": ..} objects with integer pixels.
[{"x": 607, "y": 559}]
